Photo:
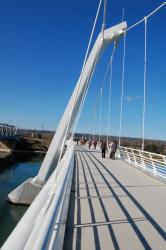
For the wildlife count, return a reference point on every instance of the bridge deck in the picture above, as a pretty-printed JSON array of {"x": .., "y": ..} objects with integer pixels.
[{"x": 114, "y": 206}]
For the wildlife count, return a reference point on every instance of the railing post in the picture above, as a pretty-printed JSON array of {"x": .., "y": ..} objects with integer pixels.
[
  {"x": 128, "y": 157},
  {"x": 164, "y": 159},
  {"x": 153, "y": 164},
  {"x": 134, "y": 156},
  {"x": 149, "y": 162},
  {"x": 119, "y": 153},
  {"x": 142, "y": 160}
]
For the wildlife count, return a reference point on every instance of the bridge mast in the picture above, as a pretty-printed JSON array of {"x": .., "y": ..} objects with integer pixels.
[{"x": 26, "y": 192}]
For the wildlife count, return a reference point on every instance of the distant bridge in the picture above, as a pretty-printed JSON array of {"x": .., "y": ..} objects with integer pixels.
[{"x": 7, "y": 130}]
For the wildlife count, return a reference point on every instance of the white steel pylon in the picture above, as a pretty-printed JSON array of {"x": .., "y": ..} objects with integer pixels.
[{"x": 26, "y": 192}]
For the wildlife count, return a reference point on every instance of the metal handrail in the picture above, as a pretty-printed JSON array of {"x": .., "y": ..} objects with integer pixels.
[
  {"x": 137, "y": 158},
  {"x": 146, "y": 158},
  {"x": 159, "y": 155},
  {"x": 43, "y": 224}
]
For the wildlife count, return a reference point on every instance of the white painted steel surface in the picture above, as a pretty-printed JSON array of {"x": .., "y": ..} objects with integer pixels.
[
  {"x": 51, "y": 159},
  {"x": 154, "y": 164},
  {"x": 43, "y": 225},
  {"x": 53, "y": 153}
]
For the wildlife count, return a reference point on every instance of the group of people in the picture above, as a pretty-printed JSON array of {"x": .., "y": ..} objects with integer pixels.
[
  {"x": 94, "y": 143},
  {"x": 112, "y": 149}
]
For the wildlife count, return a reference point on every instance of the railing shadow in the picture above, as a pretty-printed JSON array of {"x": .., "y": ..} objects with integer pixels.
[
  {"x": 87, "y": 160},
  {"x": 95, "y": 231},
  {"x": 114, "y": 240},
  {"x": 132, "y": 198},
  {"x": 106, "y": 223}
]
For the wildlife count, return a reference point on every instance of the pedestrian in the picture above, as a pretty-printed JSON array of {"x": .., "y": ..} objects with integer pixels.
[
  {"x": 94, "y": 144},
  {"x": 113, "y": 150},
  {"x": 110, "y": 149},
  {"x": 90, "y": 143},
  {"x": 103, "y": 148}
]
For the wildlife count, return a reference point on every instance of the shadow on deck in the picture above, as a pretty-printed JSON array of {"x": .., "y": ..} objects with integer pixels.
[{"x": 114, "y": 206}]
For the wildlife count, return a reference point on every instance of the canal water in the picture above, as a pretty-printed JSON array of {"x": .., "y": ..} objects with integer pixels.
[{"x": 17, "y": 169}]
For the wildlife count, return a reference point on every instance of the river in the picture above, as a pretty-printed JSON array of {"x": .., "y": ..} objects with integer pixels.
[{"x": 16, "y": 170}]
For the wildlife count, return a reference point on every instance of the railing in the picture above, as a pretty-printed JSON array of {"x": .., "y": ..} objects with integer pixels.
[
  {"x": 43, "y": 225},
  {"x": 154, "y": 164}
]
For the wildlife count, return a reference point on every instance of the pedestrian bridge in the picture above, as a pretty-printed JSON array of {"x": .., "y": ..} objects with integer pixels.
[
  {"x": 114, "y": 206},
  {"x": 90, "y": 202}
]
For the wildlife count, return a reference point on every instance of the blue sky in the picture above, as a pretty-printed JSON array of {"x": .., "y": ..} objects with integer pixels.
[{"x": 42, "y": 48}]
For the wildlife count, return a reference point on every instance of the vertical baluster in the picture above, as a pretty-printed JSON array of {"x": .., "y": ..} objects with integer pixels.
[
  {"x": 128, "y": 156},
  {"x": 142, "y": 159},
  {"x": 153, "y": 164},
  {"x": 134, "y": 157}
]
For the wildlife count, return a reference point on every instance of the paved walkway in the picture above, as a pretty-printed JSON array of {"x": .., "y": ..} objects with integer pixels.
[{"x": 114, "y": 206}]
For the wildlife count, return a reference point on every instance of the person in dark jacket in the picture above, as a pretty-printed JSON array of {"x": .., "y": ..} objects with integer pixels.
[
  {"x": 94, "y": 144},
  {"x": 113, "y": 150},
  {"x": 103, "y": 148},
  {"x": 90, "y": 144}
]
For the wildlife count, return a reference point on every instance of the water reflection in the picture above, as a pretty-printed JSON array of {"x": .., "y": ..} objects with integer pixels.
[{"x": 14, "y": 169}]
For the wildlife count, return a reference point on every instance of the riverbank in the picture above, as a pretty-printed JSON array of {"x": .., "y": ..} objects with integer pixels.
[
  {"x": 17, "y": 150},
  {"x": 24, "y": 145}
]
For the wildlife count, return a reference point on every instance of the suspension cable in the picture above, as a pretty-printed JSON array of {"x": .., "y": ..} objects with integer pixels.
[
  {"x": 85, "y": 59},
  {"x": 153, "y": 12},
  {"x": 94, "y": 120},
  {"x": 104, "y": 78},
  {"x": 89, "y": 132},
  {"x": 104, "y": 16},
  {"x": 85, "y": 94},
  {"x": 88, "y": 48},
  {"x": 110, "y": 92},
  {"x": 122, "y": 89},
  {"x": 145, "y": 79},
  {"x": 91, "y": 36},
  {"x": 123, "y": 14},
  {"x": 147, "y": 16},
  {"x": 86, "y": 55},
  {"x": 101, "y": 96}
]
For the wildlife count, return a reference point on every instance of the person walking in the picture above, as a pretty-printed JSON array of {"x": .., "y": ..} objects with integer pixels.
[
  {"x": 90, "y": 144},
  {"x": 103, "y": 148},
  {"x": 94, "y": 144},
  {"x": 110, "y": 149},
  {"x": 113, "y": 150}
]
